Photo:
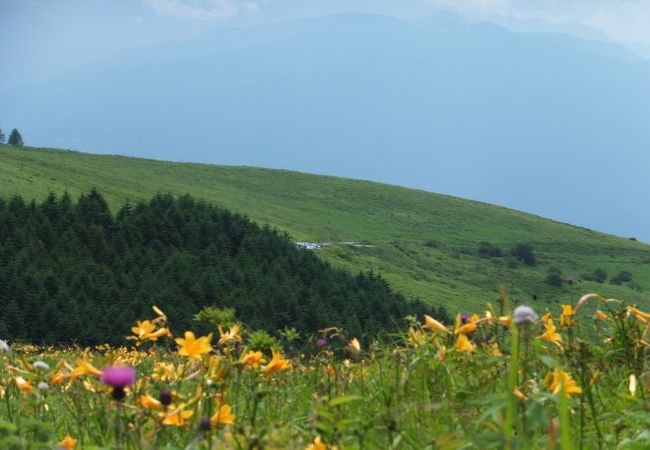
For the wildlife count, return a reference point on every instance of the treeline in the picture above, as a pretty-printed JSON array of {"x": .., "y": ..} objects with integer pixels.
[
  {"x": 73, "y": 272},
  {"x": 15, "y": 138}
]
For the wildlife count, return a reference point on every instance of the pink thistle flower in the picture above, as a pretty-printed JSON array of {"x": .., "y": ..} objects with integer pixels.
[{"x": 118, "y": 377}]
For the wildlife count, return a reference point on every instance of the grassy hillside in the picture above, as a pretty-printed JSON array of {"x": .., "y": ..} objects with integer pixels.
[{"x": 425, "y": 244}]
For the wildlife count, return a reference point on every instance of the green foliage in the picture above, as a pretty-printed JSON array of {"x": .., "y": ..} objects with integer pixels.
[
  {"x": 525, "y": 254},
  {"x": 554, "y": 277},
  {"x": 15, "y": 139},
  {"x": 398, "y": 221},
  {"x": 262, "y": 341},
  {"x": 487, "y": 250},
  {"x": 621, "y": 278},
  {"x": 216, "y": 317},
  {"x": 71, "y": 272},
  {"x": 599, "y": 275}
]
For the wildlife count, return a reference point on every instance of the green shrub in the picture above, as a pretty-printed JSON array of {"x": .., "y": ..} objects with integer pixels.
[{"x": 525, "y": 254}]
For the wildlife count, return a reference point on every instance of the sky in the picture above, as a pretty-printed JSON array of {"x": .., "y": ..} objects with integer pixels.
[{"x": 43, "y": 38}]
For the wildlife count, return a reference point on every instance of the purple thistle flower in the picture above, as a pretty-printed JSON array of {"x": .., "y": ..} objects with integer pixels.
[
  {"x": 321, "y": 341},
  {"x": 118, "y": 377},
  {"x": 464, "y": 318},
  {"x": 569, "y": 280}
]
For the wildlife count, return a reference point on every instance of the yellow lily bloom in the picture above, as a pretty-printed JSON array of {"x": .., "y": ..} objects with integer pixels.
[
  {"x": 67, "y": 443},
  {"x": 84, "y": 368},
  {"x": 277, "y": 363},
  {"x": 434, "y": 325},
  {"x": 317, "y": 444},
  {"x": 177, "y": 417},
  {"x": 223, "y": 416},
  {"x": 148, "y": 402},
  {"x": 640, "y": 315},
  {"x": 467, "y": 328},
  {"x": 505, "y": 320},
  {"x": 551, "y": 334},
  {"x": 192, "y": 347},
  {"x": 520, "y": 395},
  {"x": 566, "y": 318},
  {"x": 354, "y": 346},
  {"x": 252, "y": 359},
  {"x": 601, "y": 315},
  {"x": 632, "y": 385},
  {"x": 23, "y": 385},
  {"x": 463, "y": 344},
  {"x": 231, "y": 335},
  {"x": 143, "y": 329},
  {"x": 563, "y": 379}
]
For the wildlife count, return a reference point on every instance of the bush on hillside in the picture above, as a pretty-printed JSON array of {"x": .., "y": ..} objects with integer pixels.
[
  {"x": 525, "y": 254},
  {"x": 487, "y": 250}
]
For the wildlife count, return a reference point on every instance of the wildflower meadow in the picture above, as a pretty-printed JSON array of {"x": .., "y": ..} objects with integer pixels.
[{"x": 575, "y": 377}]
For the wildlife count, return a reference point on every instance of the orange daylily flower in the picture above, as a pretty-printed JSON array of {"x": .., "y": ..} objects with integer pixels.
[
  {"x": 23, "y": 385},
  {"x": 148, "y": 402},
  {"x": 67, "y": 443},
  {"x": 563, "y": 379},
  {"x": 84, "y": 368},
  {"x": 252, "y": 359},
  {"x": 223, "y": 416},
  {"x": 317, "y": 444},
  {"x": 467, "y": 328},
  {"x": 192, "y": 347},
  {"x": 277, "y": 363},
  {"x": 601, "y": 315},
  {"x": 354, "y": 346},
  {"x": 463, "y": 344},
  {"x": 566, "y": 318},
  {"x": 551, "y": 333},
  {"x": 231, "y": 335},
  {"x": 434, "y": 325}
]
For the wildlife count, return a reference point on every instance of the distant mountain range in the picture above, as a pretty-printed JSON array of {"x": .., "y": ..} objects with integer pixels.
[{"x": 541, "y": 122}]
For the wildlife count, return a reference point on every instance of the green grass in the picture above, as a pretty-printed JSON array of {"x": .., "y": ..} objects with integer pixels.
[{"x": 398, "y": 221}]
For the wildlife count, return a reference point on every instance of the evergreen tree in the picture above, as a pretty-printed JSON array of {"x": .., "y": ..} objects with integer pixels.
[
  {"x": 15, "y": 138},
  {"x": 2, "y": 137}
]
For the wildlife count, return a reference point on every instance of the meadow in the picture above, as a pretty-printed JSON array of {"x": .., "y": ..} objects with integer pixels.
[
  {"x": 426, "y": 245},
  {"x": 574, "y": 376}
]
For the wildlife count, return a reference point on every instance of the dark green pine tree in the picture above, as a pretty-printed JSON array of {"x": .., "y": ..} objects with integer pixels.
[
  {"x": 15, "y": 138},
  {"x": 2, "y": 137}
]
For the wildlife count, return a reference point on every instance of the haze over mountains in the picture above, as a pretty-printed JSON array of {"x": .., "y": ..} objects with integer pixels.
[{"x": 545, "y": 123}]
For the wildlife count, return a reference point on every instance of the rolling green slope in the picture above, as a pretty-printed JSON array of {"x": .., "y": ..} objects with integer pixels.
[{"x": 425, "y": 244}]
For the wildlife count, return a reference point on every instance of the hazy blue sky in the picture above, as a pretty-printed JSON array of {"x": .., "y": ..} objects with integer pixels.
[{"x": 41, "y": 38}]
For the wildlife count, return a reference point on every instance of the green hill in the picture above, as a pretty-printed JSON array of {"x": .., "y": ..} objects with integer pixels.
[{"x": 425, "y": 244}]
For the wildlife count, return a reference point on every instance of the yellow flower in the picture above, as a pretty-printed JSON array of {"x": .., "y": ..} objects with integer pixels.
[
  {"x": 562, "y": 379},
  {"x": 148, "y": 402},
  {"x": 24, "y": 385},
  {"x": 177, "y": 417},
  {"x": 602, "y": 315},
  {"x": 505, "y": 320},
  {"x": 277, "y": 363},
  {"x": 193, "y": 347},
  {"x": 632, "y": 386},
  {"x": 163, "y": 371},
  {"x": 416, "y": 337},
  {"x": 434, "y": 325},
  {"x": 84, "y": 368},
  {"x": 223, "y": 416},
  {"x": 474, "y": 318},
  {"x": 463, "y": 344},
  {"x": 252, "y": 359},
  {"x": 143, "y": 329},
  {"x": 231, "y": 335},
  {"x": 317, "y": 444},
  {"x": 354, "y": 346},
  {"x": 640, "y": 315},
  {"x": 467, "y": 328},
  {"x": 520, "y": 395},
  {"x": 566, "y": 318},
  {"x": 551, "y": 334},
  {"x": 67, "y": 443}
]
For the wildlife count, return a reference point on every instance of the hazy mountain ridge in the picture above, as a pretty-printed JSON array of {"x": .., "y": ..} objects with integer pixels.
[{"x": 528, "y": 120}]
